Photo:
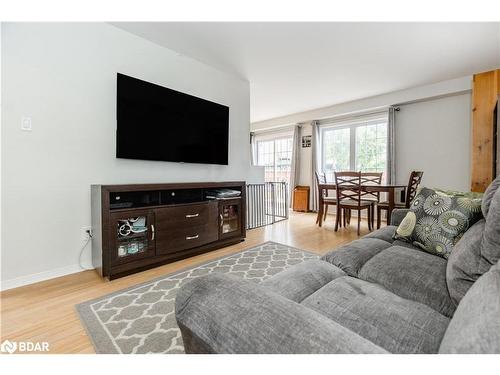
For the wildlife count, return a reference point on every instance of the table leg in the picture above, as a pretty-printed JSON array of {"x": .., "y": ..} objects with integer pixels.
[
  {"x": 320, "y": 212},
  {"x": 391, "y": 205}
]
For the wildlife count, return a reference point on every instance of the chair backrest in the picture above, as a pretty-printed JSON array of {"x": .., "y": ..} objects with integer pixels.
[
  {"x": 411, "y": 190},
  {"x": 371, "y": 178},
  {"x": 348, "y": 186},
  {"x": 321, "y": 178}
]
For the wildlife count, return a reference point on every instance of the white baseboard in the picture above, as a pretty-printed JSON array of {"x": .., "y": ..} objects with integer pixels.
[{"x": 41, "y": 276}]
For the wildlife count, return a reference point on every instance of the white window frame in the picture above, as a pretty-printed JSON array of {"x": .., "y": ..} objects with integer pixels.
[{"x": 352, "y": 125}]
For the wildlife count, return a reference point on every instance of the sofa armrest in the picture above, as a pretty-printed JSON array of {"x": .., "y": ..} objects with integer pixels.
[
  {"x": 221, "y": 313},
  {"x": 397, "y": 215}
]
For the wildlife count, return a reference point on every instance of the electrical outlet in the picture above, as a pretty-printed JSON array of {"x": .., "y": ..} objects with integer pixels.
[{"x": 85, "y": 234}]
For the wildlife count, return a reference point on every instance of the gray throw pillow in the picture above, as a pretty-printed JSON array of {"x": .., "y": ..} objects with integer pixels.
[{"x": 437, "y": 221}]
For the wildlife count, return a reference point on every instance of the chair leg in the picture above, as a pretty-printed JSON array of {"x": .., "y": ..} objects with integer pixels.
[
  {"x": 359, "y": 220},
  {"x": 370, "y": 218},
  {"x": 379, "y": 212},
  {"x": 344, "y": 216},
  {"x": 320, "y": 214},
  {"x": 326, "y": 211},
  {"x": 337, "y": 219},
  {"x": 348, "y": 216}
]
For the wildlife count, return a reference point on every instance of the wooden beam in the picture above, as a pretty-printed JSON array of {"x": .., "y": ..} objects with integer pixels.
[{"x": 485, "y": 89}]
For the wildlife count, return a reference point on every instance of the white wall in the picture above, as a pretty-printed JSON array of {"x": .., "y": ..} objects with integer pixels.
[
  {"x": 435, "y": 137},
  {"x": 432, "y": 133},
  {"x": 64, "y": 77},
  {"x": 397, "y": 97}
]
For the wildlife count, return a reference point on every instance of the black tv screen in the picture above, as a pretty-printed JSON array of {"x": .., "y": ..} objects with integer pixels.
[{"x": 157, "y": 123}]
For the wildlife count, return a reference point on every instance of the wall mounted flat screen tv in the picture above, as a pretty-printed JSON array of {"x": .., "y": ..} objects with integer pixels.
[{"x": 158, "y": 123}]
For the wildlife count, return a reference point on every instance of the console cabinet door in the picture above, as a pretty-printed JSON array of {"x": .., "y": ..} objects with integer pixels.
[
  {"x": 132, "y": 236},
  {"x": 230, "y": 215}
]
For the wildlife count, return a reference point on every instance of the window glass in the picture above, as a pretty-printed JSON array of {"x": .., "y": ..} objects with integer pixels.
[
  {"x": 336, "y": 150},
  {"x": 371, "y": 147},
  {"x": 276, "y": 156},
  {"x": 359, "y": 146}
]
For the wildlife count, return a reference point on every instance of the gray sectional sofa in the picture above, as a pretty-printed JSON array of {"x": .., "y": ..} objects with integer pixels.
[{"x": 374, "y": 295}]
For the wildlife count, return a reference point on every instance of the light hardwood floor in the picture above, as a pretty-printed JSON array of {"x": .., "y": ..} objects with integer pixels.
[{"x": 45, "y": 311}]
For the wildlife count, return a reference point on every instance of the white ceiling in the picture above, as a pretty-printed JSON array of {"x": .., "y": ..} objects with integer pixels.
[{"x": 293, "y": 67}]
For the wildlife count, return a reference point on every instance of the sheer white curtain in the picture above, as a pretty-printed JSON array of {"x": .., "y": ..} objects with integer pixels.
[
  {"x": 391, "y": 147},
  {"x": 315, "y": 164},
  {"x": 295, "y": 162}
]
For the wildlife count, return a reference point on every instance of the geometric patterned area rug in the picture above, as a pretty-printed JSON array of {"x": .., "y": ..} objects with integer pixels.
[{"x": 141, "y": 319}]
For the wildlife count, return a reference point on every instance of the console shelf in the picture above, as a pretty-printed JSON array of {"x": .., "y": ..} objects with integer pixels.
[{"x": 141, "y": 226}]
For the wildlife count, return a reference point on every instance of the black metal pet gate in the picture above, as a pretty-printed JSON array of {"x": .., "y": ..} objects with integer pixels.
[{"x": 267, "y": 203}]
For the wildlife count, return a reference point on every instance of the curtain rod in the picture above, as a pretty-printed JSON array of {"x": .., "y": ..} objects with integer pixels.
[
  {"x": 276, "y": 129},
  {"x": 436, "y": 97},
  {"x": 354, "y": 115}
]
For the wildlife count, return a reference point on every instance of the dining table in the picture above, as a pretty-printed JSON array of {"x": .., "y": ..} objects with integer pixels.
[{"x": 369, "y": 187}]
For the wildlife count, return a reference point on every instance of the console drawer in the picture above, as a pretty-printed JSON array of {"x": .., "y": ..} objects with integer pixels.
[
  {"x": 185, "y": 215},
  {"x": 183, "y": 237}
]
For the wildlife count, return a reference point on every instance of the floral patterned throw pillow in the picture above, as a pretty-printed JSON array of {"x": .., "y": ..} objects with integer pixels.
[{"x": 437, "y": 221}]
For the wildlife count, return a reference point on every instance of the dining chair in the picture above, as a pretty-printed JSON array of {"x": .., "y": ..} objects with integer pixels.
[
  {"x": 411, "y": 191},
  {"x": 349, "y": 198},
  {"x": 323, "y": 199},
  {"x": 374, "y": 197}
]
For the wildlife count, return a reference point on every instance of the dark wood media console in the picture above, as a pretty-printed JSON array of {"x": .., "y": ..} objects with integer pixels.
[{"x": 136, "y": 227}]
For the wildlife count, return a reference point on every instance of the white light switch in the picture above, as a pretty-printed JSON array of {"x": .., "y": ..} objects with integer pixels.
[{"x": 26, "y": 124}]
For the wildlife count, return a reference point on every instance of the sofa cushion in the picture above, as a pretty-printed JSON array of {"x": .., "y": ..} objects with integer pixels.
[
  {"x": 222, "y": 313},
  {"x": 397, "y": 215},
  {"x": 490, "y": 245},
  {"x": 351, "y": 257},
  {"x": 302, "y": 280},
  {"x": 478, "y": 249},
  {"x": 411, "y": 274},
  {"x": 385, "y": 233},
  {"x": 475, "y": 327},
  {"x": 488, "y": 196},
  {"x": 393, "y": 323},
  {"x": 466, "y": 264},
  {"x": 405, "y": 244},
  {"x": 436, "y": 221}
]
